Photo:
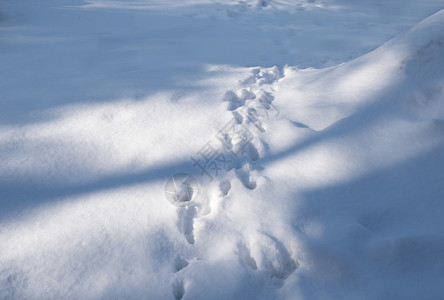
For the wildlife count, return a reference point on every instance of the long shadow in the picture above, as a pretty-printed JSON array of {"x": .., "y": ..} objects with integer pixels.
[
  {"x": 15, "y": 197},
  {"x": 416, "y": 184},
  {"x": 365, "y": 116}
]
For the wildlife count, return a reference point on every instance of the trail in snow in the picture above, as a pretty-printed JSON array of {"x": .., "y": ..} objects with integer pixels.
[{"x": 330, "y": 179}]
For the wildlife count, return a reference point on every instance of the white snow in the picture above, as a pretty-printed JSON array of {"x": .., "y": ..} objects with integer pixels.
[{"x": 336, "y": 187}]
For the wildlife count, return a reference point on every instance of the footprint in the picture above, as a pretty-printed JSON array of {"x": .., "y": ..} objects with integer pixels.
[
  {"x": 244, "y": 176},
  {"x": 250, "y": 80},
  {"x": 265, "y": 98},
  {"x": 233, "y": 100},
  {"x": 251, "y": 151},
  {"x": 257, "y": 111},
  {"x": 178, "y": 289},
  {"x": 186, "y": 226},
  {"x": 263, "y": 76},
  {"x": 225, "y": 187},
  {"x": 253, "y": 78},
  {"x": 268, "y": 76},
  {"x": 253, "y": 117},
  {"x": 284, "y": 265},
  {"x": 187, "y": 218},
  {"x": 180, "y": 263},
  {"x": 235, "y": 136},
  {"x": 246, "y": 95},
  {"x": 275, "y": 258},
  {"x": 245, "y": 254},
  {"x": 188, "y": 230},
  {"x": 236, "y": 163},
  {"x": 238, "y": 117}
]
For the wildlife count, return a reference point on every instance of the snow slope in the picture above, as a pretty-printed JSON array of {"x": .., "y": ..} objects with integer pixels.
[{"x": 338, "y": 194}]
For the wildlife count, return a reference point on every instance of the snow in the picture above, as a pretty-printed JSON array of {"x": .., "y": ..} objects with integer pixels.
[{"x": 333, "y": 186}]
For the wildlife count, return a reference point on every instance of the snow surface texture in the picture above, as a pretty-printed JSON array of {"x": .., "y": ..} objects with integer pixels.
[{"x": 335, "y": 189}]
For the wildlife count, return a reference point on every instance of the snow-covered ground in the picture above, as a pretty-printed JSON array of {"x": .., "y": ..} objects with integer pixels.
[{"x": 322, "y": 122}]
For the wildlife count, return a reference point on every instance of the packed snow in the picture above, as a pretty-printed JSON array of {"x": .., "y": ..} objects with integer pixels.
[{"x": 209, "y": 149}]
